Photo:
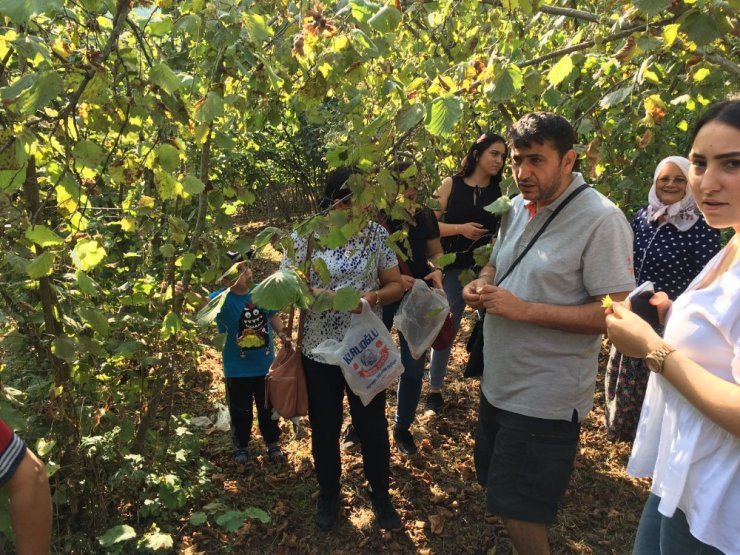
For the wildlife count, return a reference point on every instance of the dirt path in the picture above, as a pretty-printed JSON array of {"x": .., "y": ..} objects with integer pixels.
[{"x": 441, "y": 505}]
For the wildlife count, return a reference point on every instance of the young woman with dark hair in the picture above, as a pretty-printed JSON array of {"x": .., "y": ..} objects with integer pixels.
[
  {"x": 464, "y": 225},
  {"x": 688, "y": 438}
]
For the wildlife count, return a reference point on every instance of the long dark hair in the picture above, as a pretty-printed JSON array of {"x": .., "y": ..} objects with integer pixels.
[
  {"x": 336, "y": 186},
  {"x": 727, "y": 112},
  {"x": 467, "y": 167}
]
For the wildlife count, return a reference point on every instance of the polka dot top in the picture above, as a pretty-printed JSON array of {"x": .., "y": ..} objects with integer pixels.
[
  {"x": 356, "y": 264},
  {"x": 670, "y": 258}
]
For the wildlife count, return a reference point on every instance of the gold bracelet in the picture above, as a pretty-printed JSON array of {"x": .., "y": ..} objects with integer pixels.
[{"x": 377, "y": 297}]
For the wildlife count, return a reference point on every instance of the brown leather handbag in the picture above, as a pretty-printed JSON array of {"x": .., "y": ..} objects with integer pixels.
[{"x": 285, "y": 383}]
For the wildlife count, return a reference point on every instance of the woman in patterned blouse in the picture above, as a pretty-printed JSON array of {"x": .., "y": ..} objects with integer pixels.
[
  {"x": 672, "y": 244},
  {"x": 366, "y": 263}
]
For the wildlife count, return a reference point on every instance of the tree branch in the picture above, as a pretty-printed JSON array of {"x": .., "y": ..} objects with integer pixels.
[
  {"x": 122, "y": 9},
  {"x": 728, "y": 65},
  {"x": 589, "y": 43}
]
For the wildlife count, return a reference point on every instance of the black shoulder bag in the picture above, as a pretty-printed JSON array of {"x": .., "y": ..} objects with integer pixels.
[{"x": 474, "y": 346}]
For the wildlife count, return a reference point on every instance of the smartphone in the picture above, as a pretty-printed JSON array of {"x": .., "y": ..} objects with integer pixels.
[{"x": 639, "y": 301}]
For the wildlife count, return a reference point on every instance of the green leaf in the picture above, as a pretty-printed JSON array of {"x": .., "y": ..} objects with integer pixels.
[
  {"x": 334, "y": 239},
  {"x": 648, "y": 43},
  {"x": 409, "y": 116},
  {"x": 320, "y": 267},
  {"x": 162, "y": 76},
  {"x": 385, "y": 20},
  {"x": 481, "y": 256},
  {"x": 95, "y": 319},
  {"x": 64, "y": 347},
  {"x": 210, "y": 108},
  {"x": 560, "y": 70},
  {"x": 445, "y": 260},
  {"x": 346, "y": 298},
  {"x": 185, "y": 261},
  {"x": 170, "y": 325},
  {"x": 12, "y": 180},
  {"x": 117, "y": 534},
  {"x": 189, "y": 23},
  {"x": 362, "y": 10},
  {"x": 507, "y": 84},
  {"x": 86, "y": 284},
  {"x": 266, "y": 236},
  {"x": 700, "y": 27},
  {"x": 48, "y": 86},
  {"x": 280, "y": 289},
  {"x": 156, "y": 541},
  {"x": 616, "y": 97},
  {"x": 362, "y": 43},
  {"x": 44, "y": 446},
  {"x": 499, "y": 206},
  {"x": 196, "y": 519},
  {"x": 168, "y": 157},
  {"x": 256, "y": 27},
  {"x": 442, "y": 115},
  {"x": 43, "y": 236},
  {"x": 652, "y": 7},
  {"x": 257, "y": 514},
  {"x": 21, "y": 10},
  {"x": 208, "y": 313},
  {"x": 192, "y": 185},
  {"x": 88, "y": 154},
  {"x": 231, "y": 521},
  {"x": 41, "y": 266},
  {"x": 87, "y": 254}
]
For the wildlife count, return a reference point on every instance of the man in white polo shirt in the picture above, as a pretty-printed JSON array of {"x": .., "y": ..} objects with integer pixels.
[{"x": 543, "y": 328}]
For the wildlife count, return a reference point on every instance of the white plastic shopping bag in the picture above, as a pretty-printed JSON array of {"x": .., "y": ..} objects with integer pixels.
[
  {"x": 369, "y": 359},
  {"x": 420, "y": 317}
]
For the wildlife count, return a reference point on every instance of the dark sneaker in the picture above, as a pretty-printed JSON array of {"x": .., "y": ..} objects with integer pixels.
[
  {"x": 385, "y": 514},
  {"x": 351, "y": 439},
  {"x": 327, "y": 512},
  {"x": 241, "y": 456},
  {"x": 434, "y": 402},
  {"x": 404, "y": 441},
  {"x": 275, "y": 454}
]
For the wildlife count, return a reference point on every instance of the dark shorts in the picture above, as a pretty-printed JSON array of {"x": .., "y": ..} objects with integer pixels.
[{"x": 524, "y": 463}]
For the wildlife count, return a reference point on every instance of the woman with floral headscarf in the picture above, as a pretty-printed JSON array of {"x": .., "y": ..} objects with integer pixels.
[{"x": 672, "y": 244}]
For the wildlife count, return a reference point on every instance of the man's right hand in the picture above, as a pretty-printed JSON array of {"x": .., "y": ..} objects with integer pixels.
[{"x": 471, "y": 292}]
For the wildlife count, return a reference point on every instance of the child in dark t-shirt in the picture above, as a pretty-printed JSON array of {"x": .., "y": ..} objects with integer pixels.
[{"x": 247, "y": 355}]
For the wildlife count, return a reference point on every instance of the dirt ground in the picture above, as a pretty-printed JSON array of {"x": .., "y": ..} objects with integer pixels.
[{"x": 435, "y": 491}]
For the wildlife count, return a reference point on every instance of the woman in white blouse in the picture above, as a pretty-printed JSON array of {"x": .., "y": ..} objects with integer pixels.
[
  {"x": 688, "y": 438},
  {"x": 366, "y": 263}
]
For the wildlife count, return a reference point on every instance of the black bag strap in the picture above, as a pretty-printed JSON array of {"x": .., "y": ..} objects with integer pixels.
[{"x": 555, "y": 212}]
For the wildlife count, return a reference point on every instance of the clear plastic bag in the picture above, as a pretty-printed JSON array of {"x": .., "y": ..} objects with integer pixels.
[
  {"x": 369, "y": 359},
  {"x": 420, "y": 316}
]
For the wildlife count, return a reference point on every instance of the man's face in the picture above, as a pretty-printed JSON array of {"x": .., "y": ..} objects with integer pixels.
[{"x": 540, "y": 172}]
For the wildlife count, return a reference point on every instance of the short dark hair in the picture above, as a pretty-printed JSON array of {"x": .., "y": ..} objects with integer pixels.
[
  {"x": 540, "y": 127},
  {"x": 727, "y": 112},
  {"x": 336, "y": 186},
  {"x": 236, "y": 256}
]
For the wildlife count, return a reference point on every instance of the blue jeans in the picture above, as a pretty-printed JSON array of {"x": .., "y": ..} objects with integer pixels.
[
  {"x": 660, "y": 535},
  {"x": 438, "y": 365},
  {"x": 409, "y": 386}
]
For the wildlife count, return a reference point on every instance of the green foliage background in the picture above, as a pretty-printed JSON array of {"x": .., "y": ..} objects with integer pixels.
[{"x": 132, "y": 133}]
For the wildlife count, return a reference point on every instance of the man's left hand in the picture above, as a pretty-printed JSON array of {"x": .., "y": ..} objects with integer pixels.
[{"x": 501, "y": 302}]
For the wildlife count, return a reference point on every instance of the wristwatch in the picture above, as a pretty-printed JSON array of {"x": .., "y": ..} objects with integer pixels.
[{"x": 656, "y": 358}]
